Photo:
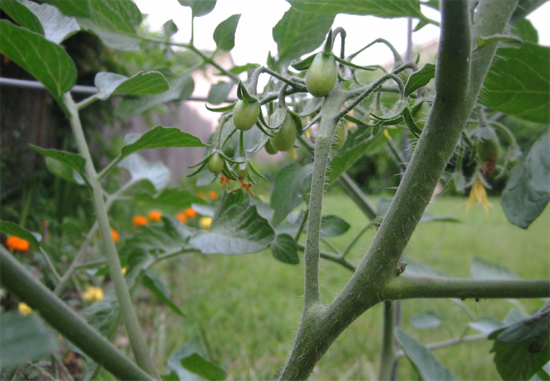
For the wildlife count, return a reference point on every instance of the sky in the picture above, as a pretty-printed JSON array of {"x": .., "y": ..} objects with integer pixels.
[{"x": 254, "y": 40}]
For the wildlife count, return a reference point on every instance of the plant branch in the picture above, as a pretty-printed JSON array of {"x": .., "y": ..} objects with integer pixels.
[
  {"x": 50, "y": 264},
  {"x": 334, "y": 258},
  {"x": 129, "y": 317},
  {"x": 409, "y": 286},
  {"x": 357, "y": 195},
  {"x": 17, "y": 280},
  {"x": 387, "y": 356},
  {"x": 356, "y": 238},
  {"x": 447, "y": 343}
]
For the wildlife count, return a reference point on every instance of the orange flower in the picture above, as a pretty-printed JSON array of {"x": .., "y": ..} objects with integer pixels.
[
  {"x": 17, "y": 243},
  {"x": 139, "y": 220},
  {"x": 115, "y": 235},
  {"x": 182, "y": 217},
  {"x": 191, "y": 213},
  {"x": 155, "y": 215},
  {"x": 200, "y": 194},
  {"x": 213, "y": 195}
]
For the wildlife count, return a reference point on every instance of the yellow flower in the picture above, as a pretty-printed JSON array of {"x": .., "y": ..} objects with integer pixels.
[
  {"x": 205, "y": 222},
  {"x": 123, "y": 270},
  {"x": 478, "y": 193},
  {"x": 93, "y": 294},
  {"x": 24, "y": 309}
]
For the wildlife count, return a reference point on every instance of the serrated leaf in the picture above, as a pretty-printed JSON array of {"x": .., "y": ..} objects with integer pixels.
[
  {"x": 517, "y": 83},
  {"x": 237, "y": 228},
  {"x": 10, "y": 228},
  {"x": 57, "y": 27},
  {"x": 420, "y": 78},
  {"x": 159, "y": 137},
  {"x": 290, "y": 185},
  {"x": 142, "y": 83},
  {"x": 140, "y": 169},
  {"x": 170, "y": 28},
  {"x": 189, "y": 360},
  {"x": 199, "y": 7},
  {"x": 180, "y": 89},
  {"x": 486, "y": 325},
  {"x": 224, "y": 34},
  {"x": 177, "y": 198},
  {"x": 386, "y": 9},
  {"x": 426, "y": 320},
  {"x": 298, "y": 33},
  {"x": 425, "y": 363},
  {"x": 43, "y": 59},
  {"x": 156, "y": 286},
  {"x": 24, "y": 338},
  {"x": 284, "y": 249},
  {"x": 218, "y": 92},
  {"x": 527, "y": 192},
  {"x": 482, "y": 269}
]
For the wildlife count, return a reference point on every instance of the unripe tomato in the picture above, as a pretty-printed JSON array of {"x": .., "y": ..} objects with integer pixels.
[
  {"x": 321, "y": 75},
  {"x": 283, "y": 140},
  {"x": 269, "y": 148},
  {"x": 245, "y": 114},
  {"x": 339, "y": 136},
  {"x": 215, "y": 164},
  {"x": 241, "y": 173}
]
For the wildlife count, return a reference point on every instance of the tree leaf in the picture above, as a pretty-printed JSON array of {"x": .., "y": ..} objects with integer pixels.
[
  {"x": 24, "y": 338},
  {"x": 420, "y": 78},
  {"x": 224, "y": 34},
  {"x": 10, "y": 228},
  {"x": 73, "y": 160},
  {"x": 170, "y": 28},
  {"x": 527, "y": 192},
  {"x": 57, "y": 27},
  {"x": 177, "y": 198},
  {"x": 219, "y": 92},
  {"x": 522, "y": 349},
  {"x": 298, "y": 33},
  {"x": 156, "y": 286},
  {"x": 43, "y": 59},
  {"x": 199, "y": 7},
  {"x": 159, "y": 137},
  {"x": 284, "y": 249},
  {"x": 180, "y": 89},
  {"x": 426, "y": 320},
  {"x": 22, "y": 15},
  {"x": 425, "y": 363},
  {"x": 385, "y": 9},
  {"x": 482, "y": 269},
  {"x": 190, "y": 359},
  {"x": 290, "y": 185},
  {"x": 140, "y": 169},
  {"x": 518, "y": 83},
  {"x": 237, "y": 228},
  {"x": 142, "y": 83}
]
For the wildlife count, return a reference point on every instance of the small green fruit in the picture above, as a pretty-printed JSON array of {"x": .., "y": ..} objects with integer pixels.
[
  {"x": 215, "y": 163},
  {"x": 269, "y": 148},
  {"x": 241, "y": 172},
  {"x": 283, "y": 140},
  {"x": 245, "y": 114},
  {"x": 321, "y": 75}
]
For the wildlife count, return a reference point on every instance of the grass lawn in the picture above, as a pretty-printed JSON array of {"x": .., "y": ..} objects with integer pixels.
[{"x": 249, "y": 306}]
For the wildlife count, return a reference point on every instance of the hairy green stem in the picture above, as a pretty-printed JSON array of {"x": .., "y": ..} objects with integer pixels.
[
  {"x": 129, "y": 317},
  {"x": 17, "y": 280},
  {"x": 386, "y": 357}
]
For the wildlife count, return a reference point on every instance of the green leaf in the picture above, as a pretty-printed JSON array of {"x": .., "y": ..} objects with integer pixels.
[
  {"x": 522, "y": 349},
  {"x": 180, "y": 89},
  {"x": 298, "y": 33},
  {"x": 418, "y": 268},
  {"x": 224, "y": 34},
  {"x": 420, "y": 78},
  {"x": 518, "y": 83},
  {"x": 43, "y": 59},
  {"x": 284, "y": 249},
  {"x": 482, "y": 269},
  {"x": 190, "y": 359},
  {"x": 151, "y": 82},
  {"x": 527, "y": 193},
  {"x": 425, "y": 363},
  {"x": 219, "y": 92},
  {"x": 111, "y": 38},
  {"x": 514, "y": 316},
  {"x": 60, "y": 169},
  {"x": 57, "y": 26},
  {"x": 10, "y": 228},
  {"x": 159, "y": 137},
  {"x": 177, "y": 198},
  {"x": 24, "y": 338},
  {"x": 290, "y": 185},
  {"x": 199, "y": 7},
  {"x": 140, "y": 169},
  {"x": 242, "y": 68},
  {"x": 71, "y": 7},
  {"x": 383, "y": 205},
  {"x": 426, "y": 320},
  {"x": 237, "y": 228},
  {"x": 22, "y": 15},
  {"x": 333, "y": 226},
  {"x": 156, "y": 286},
  {"x": 513, "y": 41},
  {"x": 486, "y": 325},
  {"x": 72, "y": 160},
  {"x": 524, "y": 8},
  {"x": 526, "y": 31},
  {"x": 170, "y": 28},
  {"x": 385, "y": 9}
]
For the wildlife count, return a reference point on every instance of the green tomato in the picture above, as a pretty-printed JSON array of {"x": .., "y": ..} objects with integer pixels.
[
  {"x": 321, "y": 75},
  {"x": 215, "y": 163},
  {"x": 245, "y": 114},
  {"x": 269, "y": 148},
  {"x": 283, "y": 140},
  {"x": 241, "y": 173},
  {"x": 339, "y": 136}
]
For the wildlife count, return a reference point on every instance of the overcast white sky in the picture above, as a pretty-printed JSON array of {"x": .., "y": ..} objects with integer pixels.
[{"x": 254, "y": 39}]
